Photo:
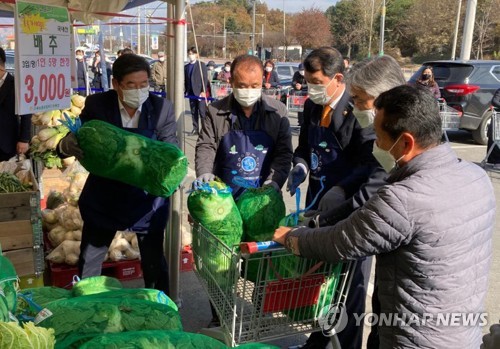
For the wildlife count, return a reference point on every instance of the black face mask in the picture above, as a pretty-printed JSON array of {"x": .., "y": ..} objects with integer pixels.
[{"x": 426, "y": 76}]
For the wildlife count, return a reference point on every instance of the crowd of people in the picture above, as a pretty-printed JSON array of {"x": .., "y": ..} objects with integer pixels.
[{"x": 370, "y": 140}]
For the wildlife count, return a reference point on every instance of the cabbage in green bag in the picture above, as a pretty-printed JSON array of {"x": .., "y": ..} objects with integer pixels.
[
  {"x": 114, "y": 153},
  {"x": 95, "y": 284}
]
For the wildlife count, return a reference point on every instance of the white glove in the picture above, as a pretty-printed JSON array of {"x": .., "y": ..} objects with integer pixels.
[
  {"x": 297, "y": 175},
  {"x": 333, "y": 198},
  {"x": 206, "y": 177}
]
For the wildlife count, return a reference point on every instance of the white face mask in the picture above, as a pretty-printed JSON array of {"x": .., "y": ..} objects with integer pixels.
[
  {"x": 364, "y": 117},
  {"x": 134, "y": 98},
  {"x": 302, "y": 72},
  {"x": 247, "y": 97},
  {"x": 269, "y": 69},
  {"x": 192, "y": 58},
  {"x": 317, "y": 93},
  {"x": 227, "y": 68},
  {"x": 79, "y": 57},
  {"x": 210, "y": 68},
  {"x": 161, "y": 59},
  {"x": 384, "y": 157}
]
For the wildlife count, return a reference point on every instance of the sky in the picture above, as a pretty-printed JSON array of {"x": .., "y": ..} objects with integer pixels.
[{"x": 297, "y": 5}]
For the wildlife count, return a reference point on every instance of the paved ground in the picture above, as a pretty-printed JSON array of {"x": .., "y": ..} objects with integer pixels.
[{"x": 195, "y": 309}]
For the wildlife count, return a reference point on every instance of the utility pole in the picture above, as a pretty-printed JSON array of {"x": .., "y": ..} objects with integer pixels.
[
  {"x": 470, "y": 17},
  {"x": 213, "y": 50},
  {"x": 455, "y": 35},
  {"x": 284, "y": 32},
  {"x": 139, "y": 31},
  {"x": 253, "y": 29},
  {"x": 382, "y": 29},
  {"x": 371, "y": 30},
  {"x": 225, "y": 36}
]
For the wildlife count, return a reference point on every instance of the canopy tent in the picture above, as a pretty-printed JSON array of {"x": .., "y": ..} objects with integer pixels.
[{"x": 87, "y": 11}]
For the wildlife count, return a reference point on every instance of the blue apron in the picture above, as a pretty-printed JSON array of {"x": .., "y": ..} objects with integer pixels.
[
  {"x": 244, "y": 153},
  {"x": 114, "y": 205},
  {"x": 327, "y": 159}
]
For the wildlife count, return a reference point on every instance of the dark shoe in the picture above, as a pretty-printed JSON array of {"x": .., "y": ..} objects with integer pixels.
[
  {"x": 215, "y": 322},
  {"x": 194, "y": 133}
]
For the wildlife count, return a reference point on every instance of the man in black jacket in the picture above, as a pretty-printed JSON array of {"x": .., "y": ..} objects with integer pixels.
[
  {"x": 494, "y": 157},
  {"x": 107, "y": 205},
  {"x": 15, "y": 131},
  {"x": 195, "y": 85}
]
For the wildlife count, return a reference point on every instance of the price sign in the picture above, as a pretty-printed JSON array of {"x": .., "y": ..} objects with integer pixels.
[{"x": 43, "y": 58}]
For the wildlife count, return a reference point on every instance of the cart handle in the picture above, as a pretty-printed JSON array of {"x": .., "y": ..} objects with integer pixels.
[{"x": 252, "y": 247}]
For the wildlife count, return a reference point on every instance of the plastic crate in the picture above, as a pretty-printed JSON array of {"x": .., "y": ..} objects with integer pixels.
[
  {"x": 61, "y": 275},
  {"x": 186, "y": 259}
]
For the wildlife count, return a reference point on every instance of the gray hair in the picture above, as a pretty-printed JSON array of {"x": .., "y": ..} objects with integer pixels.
[{"x": 376, "y": 75}]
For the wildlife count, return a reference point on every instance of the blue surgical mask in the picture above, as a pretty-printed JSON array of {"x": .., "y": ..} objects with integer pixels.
[{"x": 385, "y": 158}]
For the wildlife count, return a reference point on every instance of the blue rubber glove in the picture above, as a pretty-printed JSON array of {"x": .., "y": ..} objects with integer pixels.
[{"x": 297, "y": 175}]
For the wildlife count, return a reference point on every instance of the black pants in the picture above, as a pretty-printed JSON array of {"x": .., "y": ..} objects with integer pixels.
[
  {"x": 352, "y": 336},
  {"x": 96, "y": 241},
  {"x": 198, "y": 110}
]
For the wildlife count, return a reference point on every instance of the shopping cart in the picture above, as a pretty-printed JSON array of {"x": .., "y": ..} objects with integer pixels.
[
  {"x": 220, "y": 89},
  {"x": 266, "y": 294},
  {"x": 495, "y": 134},
  {"x": 450, "y": 118},
  {"x": 275, "y": 93},
  {"x": 295, "y": 101}
]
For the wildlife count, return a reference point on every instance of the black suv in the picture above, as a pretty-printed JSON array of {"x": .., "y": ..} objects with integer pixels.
[{"x": 467, "y": 86}]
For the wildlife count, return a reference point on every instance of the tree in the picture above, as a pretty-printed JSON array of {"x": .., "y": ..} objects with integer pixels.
[
  {"x": 484, "y": 29},
  {"x": 347, "y": 23},
  {"x": 311, "y": 28}
]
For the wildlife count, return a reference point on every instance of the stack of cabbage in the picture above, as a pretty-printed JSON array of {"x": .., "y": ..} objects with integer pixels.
[{"x": 111, "y": 152}]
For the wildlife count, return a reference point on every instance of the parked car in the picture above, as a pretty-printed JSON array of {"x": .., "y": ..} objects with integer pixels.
[
  {"x": 467, "y": 86},
  {"x": 285, "y": 72}
]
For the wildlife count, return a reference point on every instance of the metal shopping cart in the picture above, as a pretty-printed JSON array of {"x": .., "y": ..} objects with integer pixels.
[
  {"x": 220, "y": 89},
  {"x": 295, "y": 101},
  {"x": 267, "y": 294},
  {"x": 450, "y": 118},
  {"x": 495, "y": 134}
]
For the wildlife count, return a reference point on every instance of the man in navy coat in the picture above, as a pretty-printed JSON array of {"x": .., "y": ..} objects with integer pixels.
[
  {"x": 195, "y": 78},
  {"x": 15, "y": 131},
  {"x": 107, "y": 205}
]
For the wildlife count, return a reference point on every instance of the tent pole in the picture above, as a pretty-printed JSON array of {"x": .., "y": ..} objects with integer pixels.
[{"x": 176, "y": 199}]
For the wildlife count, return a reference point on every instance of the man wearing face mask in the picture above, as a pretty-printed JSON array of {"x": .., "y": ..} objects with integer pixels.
[
  {"x": 81, "y": 72},
  {"x": 196, "y": 84},
  {"x": 299, "y": 86},
  {"x": 107, "y": 205},
  {"x": 432, "y": 236},
  {"x": 332, "y": 144},
  {"x": 246, "y": 125},
  {"x": 160, "y": 73}
]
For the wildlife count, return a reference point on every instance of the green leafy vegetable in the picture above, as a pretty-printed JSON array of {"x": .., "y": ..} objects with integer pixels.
[
  {"x": 111, "y": 152},
  {"x": 27, "y": 337},
  {"x": 9, "y": 183}
]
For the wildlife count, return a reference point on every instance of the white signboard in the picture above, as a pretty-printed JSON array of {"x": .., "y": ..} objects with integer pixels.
[
  {"x": 43, "y": 58},
  {"x": 154, "y": 42}
]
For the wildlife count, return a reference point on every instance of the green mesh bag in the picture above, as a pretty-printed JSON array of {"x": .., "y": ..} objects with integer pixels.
[
  {"x": 257, "y": 346},
  {"x": 95, "y": 284},
  {"x": 44, "y": 295},
  {"x": 212, "y": 205},
  {"x": 114, "y": 153},
  {"x": 137, "y": 293},
  {"x": 261, "y": 210},
  {"x": 8, "y": 282},
  {"x": 153, "y": 340},
  {"x": 89, "y": 315}
]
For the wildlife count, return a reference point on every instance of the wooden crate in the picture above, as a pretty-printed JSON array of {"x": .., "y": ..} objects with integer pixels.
[
  {"x": 27, "y": 261},
  {"x": 21, "y": 236}
]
